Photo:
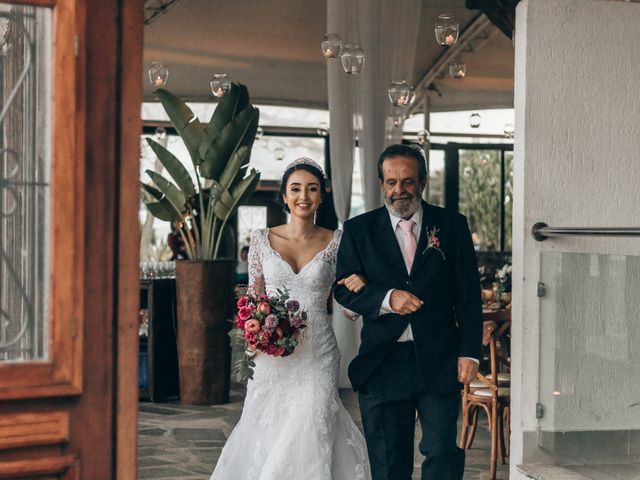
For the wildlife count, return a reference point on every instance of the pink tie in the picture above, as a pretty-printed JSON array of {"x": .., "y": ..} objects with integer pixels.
[{"x": 410, "y": 245}]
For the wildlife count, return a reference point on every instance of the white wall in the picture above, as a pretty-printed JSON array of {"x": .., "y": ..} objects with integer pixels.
[{"x": 577, "y": 144}]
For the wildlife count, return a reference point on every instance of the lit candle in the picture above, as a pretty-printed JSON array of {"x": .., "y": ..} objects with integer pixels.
[
  {"x": 219, "y": 92},
  {"x": 328, "y": 53},
  {"x": 158, "y": 82},
  {"x": 450, "y": 39}
]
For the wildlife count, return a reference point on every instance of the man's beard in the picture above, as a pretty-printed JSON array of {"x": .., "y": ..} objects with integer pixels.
[{"x": 404, "y": 209}]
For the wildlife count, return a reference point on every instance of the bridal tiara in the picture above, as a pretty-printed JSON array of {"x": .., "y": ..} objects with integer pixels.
[{"x": 303, "y": 161}]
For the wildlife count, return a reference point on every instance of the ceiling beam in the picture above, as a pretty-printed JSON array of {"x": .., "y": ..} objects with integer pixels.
[{"x": 502, "y": 13}]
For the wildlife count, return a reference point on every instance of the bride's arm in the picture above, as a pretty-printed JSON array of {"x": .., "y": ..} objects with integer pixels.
[{"x": 254, "y": 259}]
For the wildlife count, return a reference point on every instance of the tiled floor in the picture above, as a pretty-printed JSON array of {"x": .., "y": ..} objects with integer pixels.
[{"x": 183, "y": 442}]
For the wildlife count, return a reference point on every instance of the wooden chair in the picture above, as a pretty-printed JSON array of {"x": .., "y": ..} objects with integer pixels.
[{"x": 490, "y": 393}]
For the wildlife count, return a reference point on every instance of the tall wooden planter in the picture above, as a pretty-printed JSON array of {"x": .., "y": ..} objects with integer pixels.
[{"x": 205, "y": 305}]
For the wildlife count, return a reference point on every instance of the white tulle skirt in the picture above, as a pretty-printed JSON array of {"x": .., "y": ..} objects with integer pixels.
[{"x": 294, "y": 426}]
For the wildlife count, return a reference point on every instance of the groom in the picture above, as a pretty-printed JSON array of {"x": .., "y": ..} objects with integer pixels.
[{"x": 422, "y": 321}]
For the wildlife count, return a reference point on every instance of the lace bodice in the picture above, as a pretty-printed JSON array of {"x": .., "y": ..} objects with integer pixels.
[
  {"x": 268, "y": 271},
  {"x": 292, "y": 403}
]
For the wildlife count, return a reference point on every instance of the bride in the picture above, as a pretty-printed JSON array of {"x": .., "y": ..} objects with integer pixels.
[{"x": 293, "y": 425}]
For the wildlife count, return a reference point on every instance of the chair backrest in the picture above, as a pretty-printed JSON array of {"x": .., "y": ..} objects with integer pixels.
[{"x": 489, "y": 330}]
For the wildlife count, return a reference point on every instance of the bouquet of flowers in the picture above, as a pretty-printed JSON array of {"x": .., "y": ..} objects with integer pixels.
[{"x": 272, "y": 325}]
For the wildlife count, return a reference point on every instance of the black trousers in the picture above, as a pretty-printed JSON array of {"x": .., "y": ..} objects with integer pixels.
[{"x": 388, "y": 405}]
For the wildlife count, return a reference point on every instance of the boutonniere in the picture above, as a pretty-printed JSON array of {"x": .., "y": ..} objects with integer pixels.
[{"x": 433, "y": 242}]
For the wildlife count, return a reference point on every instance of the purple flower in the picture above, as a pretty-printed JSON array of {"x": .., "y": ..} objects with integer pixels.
[
  {"x": 296, "y": 321},
  {"x": 292, "y": 305},
  {"x": 271, "y": 322}
]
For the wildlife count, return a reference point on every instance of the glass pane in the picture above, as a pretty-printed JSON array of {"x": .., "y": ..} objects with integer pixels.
[
  {"x": 436, "y": 178},
  {"x": 508, "y": 200},
  {"x": 25, "y": 120},
  {"x": 480, "y": 196},
  {"x": 271, "y": 154},
  {"x": 589, "y": 357}
]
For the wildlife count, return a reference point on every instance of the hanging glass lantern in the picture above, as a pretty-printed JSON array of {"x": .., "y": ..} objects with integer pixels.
[
  {"x": 508, "y": 130},
  {"x": 279, "y": 152},
  {"x": 457, "y": 68},
  {"x": 158, "y": 74},
  {"x": 259, "y": 133},
  {"x": 401, "y": 93},
  {"x": 474, "y": 120},
  {"x": 447, "y": 30},
  {"x": 160, "y": 133},
  {"x": 331, "y": 45},
  {"x": 424, "y": 137},
  {"x": 352, "y": 58},
  {"x": 220, "y": 84}
]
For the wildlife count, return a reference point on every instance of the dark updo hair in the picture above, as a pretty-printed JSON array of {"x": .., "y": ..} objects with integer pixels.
[
  {"x": 400, "y": 150},
  {"x": 307, "y": 168}
]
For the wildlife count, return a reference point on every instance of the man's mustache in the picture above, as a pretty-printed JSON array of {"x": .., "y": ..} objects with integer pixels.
[{"x": 401, "y": 197}]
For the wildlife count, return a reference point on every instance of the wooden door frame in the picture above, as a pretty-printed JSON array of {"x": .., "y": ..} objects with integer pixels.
[{"x": 95, "y": 434}]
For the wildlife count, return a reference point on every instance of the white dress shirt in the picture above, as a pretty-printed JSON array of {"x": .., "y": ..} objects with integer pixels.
[{"x": 407, "y": 334}]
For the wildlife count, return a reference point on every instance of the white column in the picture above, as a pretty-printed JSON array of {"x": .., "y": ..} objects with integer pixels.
[{"x": 577, "y": 135}]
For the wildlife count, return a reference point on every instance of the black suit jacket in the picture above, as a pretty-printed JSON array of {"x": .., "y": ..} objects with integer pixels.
[{"x": 447, "y": 326}]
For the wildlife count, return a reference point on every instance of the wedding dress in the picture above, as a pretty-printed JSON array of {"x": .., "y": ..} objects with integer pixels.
[{"x": 293, "y": 425}]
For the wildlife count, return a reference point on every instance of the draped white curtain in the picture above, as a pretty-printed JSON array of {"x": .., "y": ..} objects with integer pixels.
[{"x": 359, "y": 107}]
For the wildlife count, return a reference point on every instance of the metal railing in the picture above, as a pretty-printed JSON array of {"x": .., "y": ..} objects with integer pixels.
[{"x": 541, "y": 231}]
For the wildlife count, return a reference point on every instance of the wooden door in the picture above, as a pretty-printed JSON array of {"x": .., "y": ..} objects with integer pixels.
[{"x": 70, "y": 93}]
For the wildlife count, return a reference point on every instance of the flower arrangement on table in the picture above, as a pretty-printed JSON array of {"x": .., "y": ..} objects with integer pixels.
[
  {"x": 504, "y": 284},
  {"x": 269, "y": 324}
]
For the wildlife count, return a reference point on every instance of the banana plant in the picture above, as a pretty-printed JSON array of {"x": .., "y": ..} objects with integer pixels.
[{"x": 220, "y": 152}]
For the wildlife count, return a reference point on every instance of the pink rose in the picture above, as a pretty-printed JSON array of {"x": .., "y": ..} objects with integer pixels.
[
  {"x": 263, "y": 337},
  {"x": 252, "y": 326},
  {"x": 242, "y": 302},
  {"x": 264, "y": 308},
  {"x": 239, "y": 322},
  {"x": 250, "y": 338},
  {"x": 244, "y": 313}
]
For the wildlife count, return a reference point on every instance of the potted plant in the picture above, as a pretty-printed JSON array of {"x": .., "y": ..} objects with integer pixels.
[{"x": 200, "y": 209}]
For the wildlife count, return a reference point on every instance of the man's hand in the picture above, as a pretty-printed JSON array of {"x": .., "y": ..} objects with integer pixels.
[
  {"x": 404, "y": 303},
  {"x": 467, "y": 370}
]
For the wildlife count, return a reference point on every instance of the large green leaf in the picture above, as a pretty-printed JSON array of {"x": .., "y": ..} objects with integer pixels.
[
  {"x": 232, "y": 136},
  {"x": 230, "y": 201},
  {"x": 231, "y": 104},
  {"x": 186, "y": 123},
  {"x": 163, "y": 210},
  {"x": 231, "y": 171},
  {"x": 153, "y": 192},
  {"x": 173, "y": 194},
  {"x": 174, "y": 167}
]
